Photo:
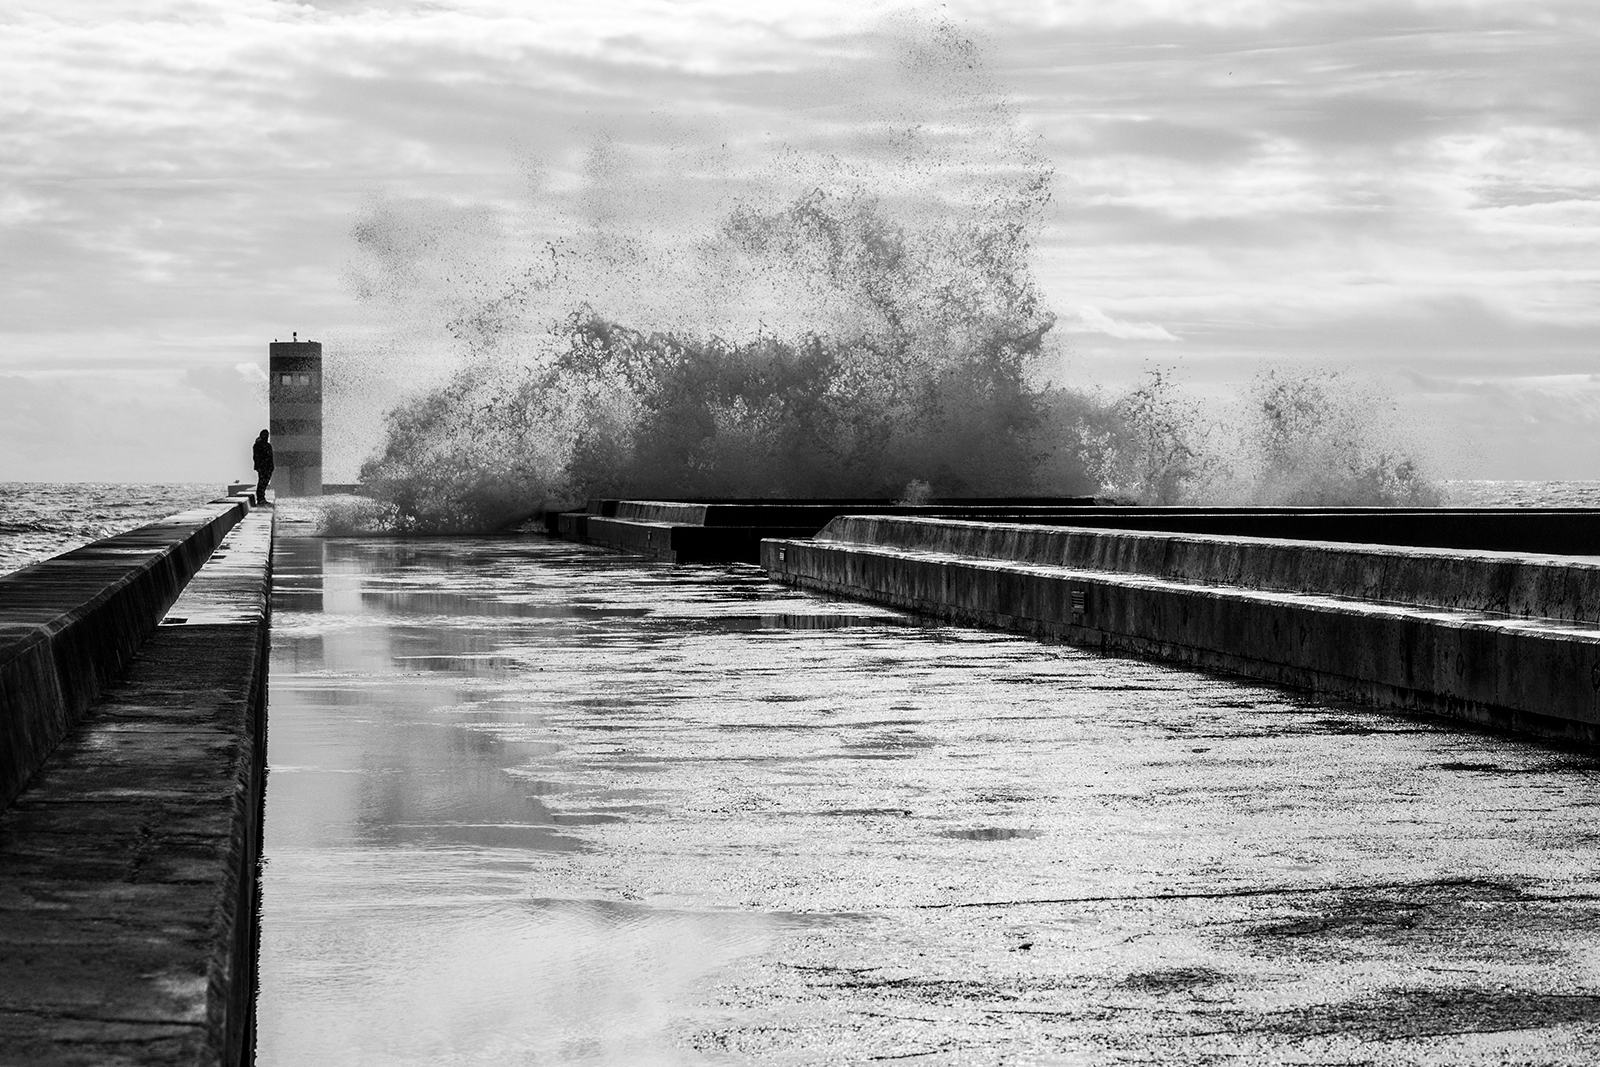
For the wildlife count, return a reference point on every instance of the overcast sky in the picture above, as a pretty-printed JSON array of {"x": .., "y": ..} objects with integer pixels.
[{"x": 1409, "y": 190}]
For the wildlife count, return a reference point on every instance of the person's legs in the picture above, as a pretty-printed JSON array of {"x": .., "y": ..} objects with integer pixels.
[{"x": 263, "y": 477}]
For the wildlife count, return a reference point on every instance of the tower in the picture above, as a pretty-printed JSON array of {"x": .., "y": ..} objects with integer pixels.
[{"x": 295, "y": 393}]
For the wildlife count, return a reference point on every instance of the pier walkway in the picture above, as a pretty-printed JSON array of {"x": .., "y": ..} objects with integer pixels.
[
  {"x": 535, "y": 802},
  {"x": 128, "y": 857}
]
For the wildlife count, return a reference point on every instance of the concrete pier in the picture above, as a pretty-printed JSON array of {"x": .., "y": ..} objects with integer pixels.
[
  {"x": 1501, "y": 639},
  {"x": 68, "y": 625},
  {"x": 128, "y": 860}
]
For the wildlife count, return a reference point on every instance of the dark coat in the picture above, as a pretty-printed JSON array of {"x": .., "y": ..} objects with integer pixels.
[{"x": 262, "y": 454}]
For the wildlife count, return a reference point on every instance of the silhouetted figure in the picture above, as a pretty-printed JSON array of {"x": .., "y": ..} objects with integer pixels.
[{"x": 262, "y": 454}]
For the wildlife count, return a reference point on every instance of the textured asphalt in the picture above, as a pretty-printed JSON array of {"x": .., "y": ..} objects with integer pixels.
[{"x": 535, "y": 803}]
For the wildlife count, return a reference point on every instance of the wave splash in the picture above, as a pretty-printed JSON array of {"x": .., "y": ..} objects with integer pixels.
[
  {"x": 816, "y": 326},
  {"x": 1314, "y": 437}
]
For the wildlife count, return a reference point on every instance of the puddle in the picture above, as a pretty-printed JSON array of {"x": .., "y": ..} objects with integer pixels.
[{"x": 989, "y": 833}]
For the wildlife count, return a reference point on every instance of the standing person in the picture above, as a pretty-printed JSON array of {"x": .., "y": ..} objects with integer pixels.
[{"x": 262, "y": 453}]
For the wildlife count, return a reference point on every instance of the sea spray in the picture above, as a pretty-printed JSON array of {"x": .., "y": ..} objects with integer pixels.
[
  {"x": 1314, "y": 437},
  {"x": 837, "y": 328},
  {"x": 1322, "y": 437},
  {"x": 1155, "y": 446},
  {"x": 816, "y": 324}
]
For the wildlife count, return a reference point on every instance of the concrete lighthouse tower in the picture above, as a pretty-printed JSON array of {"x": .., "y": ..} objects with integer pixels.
[{"x": 295, "y": 394}]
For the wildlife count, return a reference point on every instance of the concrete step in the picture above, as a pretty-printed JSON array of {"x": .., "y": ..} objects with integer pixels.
[
  {"x": 1231, "y": 605},
  {"x": 1510, "y": 583}
]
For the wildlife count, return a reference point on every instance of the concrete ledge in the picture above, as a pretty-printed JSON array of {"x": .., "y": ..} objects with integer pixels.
[
  {"x": 816, "y": 514},
  {"x": 569, "y": 525},
  {"x": 68, "y": 625},
  {"x": 128, "y": 866},
  {"x": 1531, "y": 675},
  {"x": 731, "y": 531},
  {"x": 1563, "y": 531},
  {"x": 1566, "y": 588},
  {"x": 660, "y": 511},
  {"x": 675, "y": 543}
]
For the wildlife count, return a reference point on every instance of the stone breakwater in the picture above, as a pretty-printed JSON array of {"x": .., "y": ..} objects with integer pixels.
[
  {"x": 135, "y": 688},
  {"x": 69, "y": 625},
  {"x": 1503, "y": 639}
]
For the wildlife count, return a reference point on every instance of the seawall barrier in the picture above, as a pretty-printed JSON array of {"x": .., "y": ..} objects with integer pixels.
[
  {"x": 69, "y": 624},
  {"x": 731, "y": 531},
  {"x": 1507, "y": 640},
  {"x": 1565, "y": 531},
  {"x": 129, "y": 861}
]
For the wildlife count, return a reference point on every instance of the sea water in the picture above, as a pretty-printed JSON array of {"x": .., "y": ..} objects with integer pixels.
[{"x": 43, "y": 519}]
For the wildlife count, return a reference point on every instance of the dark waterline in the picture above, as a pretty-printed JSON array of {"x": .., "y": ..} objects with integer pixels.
[{"x": 533, "y": 803}]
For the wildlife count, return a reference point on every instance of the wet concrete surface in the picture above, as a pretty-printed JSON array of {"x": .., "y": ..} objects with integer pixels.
[
  {"x": 127, "y": 896},
  {"x": 535, "y": 803}
]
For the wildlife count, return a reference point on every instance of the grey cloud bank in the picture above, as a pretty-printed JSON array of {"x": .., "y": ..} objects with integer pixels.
[{"x": 1409, "y": 189}]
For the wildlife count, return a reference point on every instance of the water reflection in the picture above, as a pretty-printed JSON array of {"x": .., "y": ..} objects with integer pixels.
[
  {"x": 491, "y": 982},
  {"x": 410, "y": 801}
]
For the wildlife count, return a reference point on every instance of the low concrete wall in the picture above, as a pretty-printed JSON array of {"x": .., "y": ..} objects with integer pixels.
[
  {"x": 1567, "y": 531},
  {"x": 129, "y": 864},
  {"x": 1508, "y": 583},
  {"x": 732, "y": 531},
  {"x": 68, "y": 625},
  {"x": 673, "y": 543},
  {"x": 660, "y": 511},
  {"x": 1564, "y": 531},
  {"x": 815, "y": 513},
  {"x": 1405, "y": 628}
]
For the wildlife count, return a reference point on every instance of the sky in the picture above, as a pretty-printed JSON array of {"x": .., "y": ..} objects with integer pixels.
[{"x": 1409, "y": 192}]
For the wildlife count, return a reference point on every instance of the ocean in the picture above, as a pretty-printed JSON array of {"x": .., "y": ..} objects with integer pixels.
[
  {"x": 43, "y": 519},
  {"x": 1523, "y": 494}
]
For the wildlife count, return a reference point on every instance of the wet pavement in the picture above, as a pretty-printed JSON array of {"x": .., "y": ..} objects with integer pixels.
[{"x": 533, "y": 803}]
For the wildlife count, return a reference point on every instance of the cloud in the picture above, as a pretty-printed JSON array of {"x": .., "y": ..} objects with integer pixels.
[
  {"x": 1094, "y": 320},
  {"x": 241, "y": 388},
  {"x": 1409, "y": 183},
  {"x": 1515, "y": 426},
  {"x": 126, "y": 428}
]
